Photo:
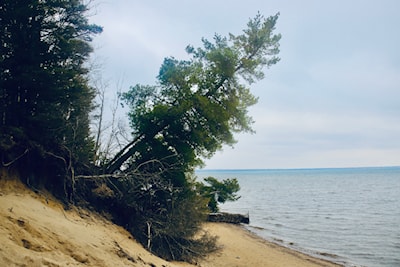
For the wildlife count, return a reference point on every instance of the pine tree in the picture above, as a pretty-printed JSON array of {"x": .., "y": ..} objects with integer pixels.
[
  {"x": 196, "y": 107},
  {"x": 45, "y": 98}
]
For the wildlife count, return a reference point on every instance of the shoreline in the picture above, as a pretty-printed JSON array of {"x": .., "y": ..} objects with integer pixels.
[
  {"x": 325, "y": 256},
  {"x": 36, "y": 230},
  {"x": 242, "y": 247}
]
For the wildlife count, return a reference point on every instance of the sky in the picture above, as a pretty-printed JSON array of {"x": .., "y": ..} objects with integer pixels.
[{"x": 333, "y": 100}]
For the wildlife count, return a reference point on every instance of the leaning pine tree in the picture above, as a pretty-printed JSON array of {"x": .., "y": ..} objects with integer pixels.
[{"x": 195, "y": 109}]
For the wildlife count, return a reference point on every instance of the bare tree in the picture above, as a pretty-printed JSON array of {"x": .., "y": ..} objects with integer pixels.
[{"x": 109, "y": 129}]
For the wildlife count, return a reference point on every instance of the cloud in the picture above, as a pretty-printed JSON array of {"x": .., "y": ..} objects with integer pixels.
[{"x": 331, "y": 101}]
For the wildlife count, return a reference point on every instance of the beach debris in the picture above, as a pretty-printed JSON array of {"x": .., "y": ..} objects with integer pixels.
[{"x": 228, "y": 218}]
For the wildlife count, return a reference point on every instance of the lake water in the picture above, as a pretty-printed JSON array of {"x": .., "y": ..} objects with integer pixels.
[{"x": 350, "y": 216}]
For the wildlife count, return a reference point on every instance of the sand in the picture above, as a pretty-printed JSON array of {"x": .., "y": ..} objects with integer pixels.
[
  {"x": 243, "y": 248},
  {"x": 35, "y": 230}
]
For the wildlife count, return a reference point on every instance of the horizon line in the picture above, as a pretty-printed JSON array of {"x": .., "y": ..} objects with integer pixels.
[{"x": 301, "y": 168}]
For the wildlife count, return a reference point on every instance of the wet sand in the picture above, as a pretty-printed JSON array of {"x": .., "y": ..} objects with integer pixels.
[{"x": 243, "y": 248}]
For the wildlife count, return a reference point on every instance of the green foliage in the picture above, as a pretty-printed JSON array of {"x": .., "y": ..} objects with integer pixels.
[
  {"x": 199, "y": 103},
  {"x": 195, "y": 108},
  {"x": 45, "y": 99},
  {"x": 218, "y": 191}
]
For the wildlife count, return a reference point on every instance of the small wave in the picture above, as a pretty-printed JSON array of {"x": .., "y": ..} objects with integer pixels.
[
  {"x": 257, "y": 227},
  {"x": 278, "y": 240},
  {"x": 326, "y": 254}
]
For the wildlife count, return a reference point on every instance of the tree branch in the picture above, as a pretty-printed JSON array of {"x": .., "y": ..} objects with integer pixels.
[{"x": 16, "y": 159}]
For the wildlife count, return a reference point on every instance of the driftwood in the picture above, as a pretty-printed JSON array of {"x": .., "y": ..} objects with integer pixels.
[{"x": 228, "y": 218}]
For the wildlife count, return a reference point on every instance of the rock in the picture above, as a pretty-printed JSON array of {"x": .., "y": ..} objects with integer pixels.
[{"x": 228, "y": 218}]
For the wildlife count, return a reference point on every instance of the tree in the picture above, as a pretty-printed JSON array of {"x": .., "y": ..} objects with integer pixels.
[
  {"x": 218, "y": 191},
  {"x": 195, "y": 109},
  {"x": 199, "y": 103},
  {"x": 45, "y": 98},
  {"x": 110, "y": 134}
]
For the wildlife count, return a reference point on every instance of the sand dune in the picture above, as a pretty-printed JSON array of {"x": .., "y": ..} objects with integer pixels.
[{"x": 35, "y": 230}]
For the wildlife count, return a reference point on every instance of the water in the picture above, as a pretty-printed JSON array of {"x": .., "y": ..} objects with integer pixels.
[{"x": 350, "y": 216}]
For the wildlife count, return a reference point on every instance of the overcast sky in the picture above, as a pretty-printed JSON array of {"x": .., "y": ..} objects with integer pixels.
[{"x": 332, "y": 101}]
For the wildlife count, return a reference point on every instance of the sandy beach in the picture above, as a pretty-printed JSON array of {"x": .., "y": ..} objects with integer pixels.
[
  {"x": 36, "y": 231},
  {"x": 243, "y": 248}
]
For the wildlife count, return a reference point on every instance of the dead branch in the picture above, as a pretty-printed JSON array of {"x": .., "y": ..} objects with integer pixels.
[{"x": 16, "y": 159}]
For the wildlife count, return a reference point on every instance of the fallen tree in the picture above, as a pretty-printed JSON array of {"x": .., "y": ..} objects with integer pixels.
[{"x": 228, "y": 218}]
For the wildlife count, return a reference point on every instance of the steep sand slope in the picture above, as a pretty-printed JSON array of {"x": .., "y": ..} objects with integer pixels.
[{"x": 36, "y": 231}]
